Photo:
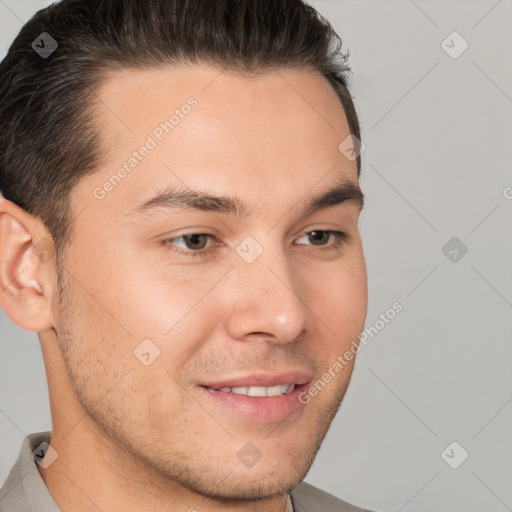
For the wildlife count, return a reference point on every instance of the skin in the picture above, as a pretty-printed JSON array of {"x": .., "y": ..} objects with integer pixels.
[{"x": 134, "y": 437}]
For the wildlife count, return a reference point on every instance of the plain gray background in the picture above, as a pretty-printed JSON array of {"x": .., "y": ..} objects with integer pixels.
[{"x": 437, "y": 164}]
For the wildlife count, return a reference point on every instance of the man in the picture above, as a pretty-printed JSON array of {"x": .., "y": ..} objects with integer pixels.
[{"x": 180, "y": 227}]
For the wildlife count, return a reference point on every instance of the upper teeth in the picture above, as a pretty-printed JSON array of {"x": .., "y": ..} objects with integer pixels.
[{"x": 280, "y": 389}]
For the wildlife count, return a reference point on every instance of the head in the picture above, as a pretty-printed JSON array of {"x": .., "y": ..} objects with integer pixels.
[{"x": 179, "y": 218}]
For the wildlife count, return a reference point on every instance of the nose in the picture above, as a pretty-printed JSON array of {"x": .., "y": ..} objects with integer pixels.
[{"x": 265, "y": 300}]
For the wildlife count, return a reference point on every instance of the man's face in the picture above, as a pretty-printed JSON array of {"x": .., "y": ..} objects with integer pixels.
[{"x": 257, "y": 301}]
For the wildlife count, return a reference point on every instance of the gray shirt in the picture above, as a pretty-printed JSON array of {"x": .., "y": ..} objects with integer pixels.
[{"x": 25, "y": 490}]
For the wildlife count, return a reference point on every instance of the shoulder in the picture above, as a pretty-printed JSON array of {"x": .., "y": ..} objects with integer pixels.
[{"x": 308, "y": 498}]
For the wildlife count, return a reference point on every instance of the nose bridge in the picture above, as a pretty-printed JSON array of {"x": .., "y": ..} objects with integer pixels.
[{"x": 265, "y": 298}]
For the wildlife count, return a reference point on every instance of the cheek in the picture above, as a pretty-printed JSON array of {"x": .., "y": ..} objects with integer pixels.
[
  {"x": 108, "y": 374},
  {"x": 153, "y": 297},
  {"x": 341, "y": 302},
  {"x": 177, "y": 308}
]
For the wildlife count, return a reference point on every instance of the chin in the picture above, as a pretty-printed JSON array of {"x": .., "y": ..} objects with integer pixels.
[
  {"x": 247, "y": 488},
  {"x": 234, "y": 484}
]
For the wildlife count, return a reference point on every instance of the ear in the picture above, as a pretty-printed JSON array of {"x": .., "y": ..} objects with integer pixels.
[{"x": 27, "y": 268}]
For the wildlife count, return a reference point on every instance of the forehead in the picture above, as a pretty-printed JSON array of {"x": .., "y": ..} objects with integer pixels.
[
  {"x": 299, "y": 90},
  {"x": 207, "y": 127}
]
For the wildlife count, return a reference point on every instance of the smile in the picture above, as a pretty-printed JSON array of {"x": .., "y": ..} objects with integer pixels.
[{"x": 279, "y": 389}]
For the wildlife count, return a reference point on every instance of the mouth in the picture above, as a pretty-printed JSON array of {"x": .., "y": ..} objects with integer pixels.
[
  {"x": 278, "y": 390},
  {"x": 260, "y": 398}
]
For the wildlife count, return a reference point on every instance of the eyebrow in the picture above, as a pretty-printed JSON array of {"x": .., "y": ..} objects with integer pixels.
[{"x": 181, "y": 198}]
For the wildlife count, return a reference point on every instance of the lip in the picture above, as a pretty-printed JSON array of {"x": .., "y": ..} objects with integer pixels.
[
  {"x": 260, "y": 379},
  {"x": 254, "y": 408}
]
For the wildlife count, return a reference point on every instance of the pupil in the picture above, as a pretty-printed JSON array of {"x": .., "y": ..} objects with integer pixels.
[
  {"x": 316, "y": 234},
  {"x": 195, "y": 240}
]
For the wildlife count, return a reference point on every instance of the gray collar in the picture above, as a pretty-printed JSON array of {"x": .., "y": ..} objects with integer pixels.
[{"x": 25, "y": 490}]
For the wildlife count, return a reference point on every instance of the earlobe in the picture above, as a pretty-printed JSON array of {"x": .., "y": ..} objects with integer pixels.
[{"x": 27, "y": 264}]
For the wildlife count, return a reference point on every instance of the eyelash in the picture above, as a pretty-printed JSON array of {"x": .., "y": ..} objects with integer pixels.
[{"x": 340, "y": 239}]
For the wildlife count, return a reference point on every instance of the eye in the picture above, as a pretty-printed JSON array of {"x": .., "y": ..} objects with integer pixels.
[
  {"x": 196, "y": 244},
  {"x": 193, "y": 243},
  {"x": 321, "y": 238}
]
